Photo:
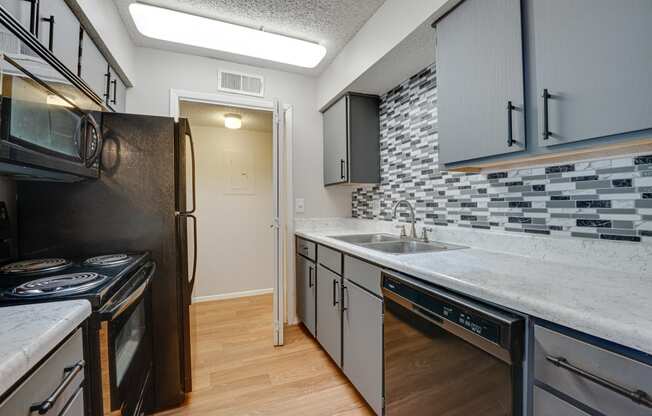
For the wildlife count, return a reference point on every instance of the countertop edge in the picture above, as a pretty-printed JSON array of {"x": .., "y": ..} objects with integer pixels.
[
  {"x": 608, "y": 329},
  {"x": 24, "y": 358}
]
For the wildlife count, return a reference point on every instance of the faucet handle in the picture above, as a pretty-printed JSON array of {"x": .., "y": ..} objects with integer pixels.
[
  {"x": 424, "y": 233},
  {"x": 403, "y": 233}
]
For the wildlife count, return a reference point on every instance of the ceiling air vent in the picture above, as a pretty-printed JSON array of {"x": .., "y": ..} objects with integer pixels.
[{"x": 240, "y": 83}]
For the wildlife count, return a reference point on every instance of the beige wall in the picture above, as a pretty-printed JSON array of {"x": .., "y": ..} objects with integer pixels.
[
  {"x": 234, "y": 238},
  {"x": 158, "y": 71}
]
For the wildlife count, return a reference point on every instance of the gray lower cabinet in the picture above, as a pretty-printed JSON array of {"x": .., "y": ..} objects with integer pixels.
[
  {"x": 352, "y": 140},
  {"x": 306, "y": 284},
  {"x": 362, "y": 338},
  {"x": 329, "y": 313},
  {"x": 59, "y": 32},
  {"x": 64, "y": 371},
  {"x": 480, "y": 80},
  {"x": 579, "y": 370},
  {"x": 547, "y": 404},
  {"x": 94, "y": 68},
  {"x": 595, "y": 59}
]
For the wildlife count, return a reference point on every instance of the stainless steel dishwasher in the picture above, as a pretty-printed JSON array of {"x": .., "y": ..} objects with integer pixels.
[{"x": 448, "y": 355}]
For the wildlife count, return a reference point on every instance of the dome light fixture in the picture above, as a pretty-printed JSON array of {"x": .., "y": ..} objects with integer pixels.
[
  {"x": 178, "y": 27},
  {"x": 232, "y": 121}
]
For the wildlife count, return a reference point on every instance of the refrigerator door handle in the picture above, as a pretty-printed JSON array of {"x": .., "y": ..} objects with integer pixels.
[
  {"x": 188, "y": 134},
  {"x": 191, "y": 281}
]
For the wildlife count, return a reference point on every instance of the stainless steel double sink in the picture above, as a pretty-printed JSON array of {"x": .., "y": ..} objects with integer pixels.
[{"x": 391, "y": 244}]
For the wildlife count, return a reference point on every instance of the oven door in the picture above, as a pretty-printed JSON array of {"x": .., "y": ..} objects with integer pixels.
[
  {"x": 126, "y": 346},
  {"x": 49, "y": 128}
]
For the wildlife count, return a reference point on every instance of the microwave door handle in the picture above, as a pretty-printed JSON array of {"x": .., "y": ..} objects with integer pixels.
[
  {"x": 90, "y": 121},
  {"x": 117, "y": 309},
  {"x": 192, "y": 161}
]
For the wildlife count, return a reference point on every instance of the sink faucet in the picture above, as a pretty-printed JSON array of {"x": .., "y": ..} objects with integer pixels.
[{"x": 413, "y": 230}]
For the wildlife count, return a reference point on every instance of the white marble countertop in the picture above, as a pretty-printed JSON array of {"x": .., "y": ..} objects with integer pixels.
[
  {"x": 611, "y": 305},
  {"x": 29, "y": 332}
]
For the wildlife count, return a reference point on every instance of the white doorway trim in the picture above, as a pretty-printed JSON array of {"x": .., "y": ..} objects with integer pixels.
[{"x": 284, "y": 304}]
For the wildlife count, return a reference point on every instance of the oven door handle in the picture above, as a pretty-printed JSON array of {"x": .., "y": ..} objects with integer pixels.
[{"x": 114, "y": 310}]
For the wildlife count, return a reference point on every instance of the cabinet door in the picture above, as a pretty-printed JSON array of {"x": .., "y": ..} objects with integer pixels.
[
  {"x": 479, "y": 73},
  {"x": 335, "y": 143},
  {"x": 306, "y": 291},
  {"x": 94, "y": 68},
  {"x": 117, "y": 92},
  {"x": 595, "y": 59},
  {"x": 329, "y": 314},
  {"x": 59, "y": 29},
  {"x": 362, "y": 337},
  {"x": 22, "y": 11}
]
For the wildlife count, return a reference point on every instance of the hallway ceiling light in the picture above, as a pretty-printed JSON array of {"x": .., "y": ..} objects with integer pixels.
[
  {"x": 172, "y": 26},
  {"x": 232, "y": 121}
]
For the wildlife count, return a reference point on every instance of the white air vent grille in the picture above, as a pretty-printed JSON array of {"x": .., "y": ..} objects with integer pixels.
[{"x": 240, "y": 83}]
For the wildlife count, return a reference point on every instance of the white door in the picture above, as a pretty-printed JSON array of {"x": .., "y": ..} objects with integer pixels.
[{"x": 277, "y": 184}]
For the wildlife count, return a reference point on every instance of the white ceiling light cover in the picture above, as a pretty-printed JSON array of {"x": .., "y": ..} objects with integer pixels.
[
  {"x": 232, "y": 121},
  {"x": 172, "y": 26}
]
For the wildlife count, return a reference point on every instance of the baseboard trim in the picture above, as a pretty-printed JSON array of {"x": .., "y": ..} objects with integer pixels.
[{"x": 232, "y": 295}]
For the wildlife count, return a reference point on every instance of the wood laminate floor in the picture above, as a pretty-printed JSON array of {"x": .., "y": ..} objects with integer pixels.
[{"x": 237, "y": 371}]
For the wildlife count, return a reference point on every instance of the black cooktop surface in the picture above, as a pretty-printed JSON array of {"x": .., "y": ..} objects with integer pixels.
[{"x": 47, "y": 279}]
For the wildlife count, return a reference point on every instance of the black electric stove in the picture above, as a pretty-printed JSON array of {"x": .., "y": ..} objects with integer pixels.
[
  {"x": 117, "y": 335},
  {"x": 95, "y": 279}
]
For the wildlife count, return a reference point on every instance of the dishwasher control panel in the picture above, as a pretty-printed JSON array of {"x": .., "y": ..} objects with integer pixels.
[{"x": 438, "y": 308}]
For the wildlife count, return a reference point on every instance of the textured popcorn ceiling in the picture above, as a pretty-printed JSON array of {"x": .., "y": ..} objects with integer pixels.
[{"x": 328, "y": 22}]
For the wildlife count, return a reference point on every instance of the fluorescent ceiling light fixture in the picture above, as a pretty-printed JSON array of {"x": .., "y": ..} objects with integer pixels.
[
  {"x": 172, "y": 26},
  {"x": 232, "y": 121}
]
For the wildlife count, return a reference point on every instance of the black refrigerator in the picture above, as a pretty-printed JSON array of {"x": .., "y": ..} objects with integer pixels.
[{"x": 143, "y": 200}]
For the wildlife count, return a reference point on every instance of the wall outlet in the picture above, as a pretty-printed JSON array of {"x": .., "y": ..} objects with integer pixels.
[{"x": 299, "y": 206}]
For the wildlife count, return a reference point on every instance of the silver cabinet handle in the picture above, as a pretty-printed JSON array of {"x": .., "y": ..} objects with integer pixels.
[
  {"x": 335, "y": 301},
  {"x": 45, "y": 406},
  {"x": 637, "y": 396}
]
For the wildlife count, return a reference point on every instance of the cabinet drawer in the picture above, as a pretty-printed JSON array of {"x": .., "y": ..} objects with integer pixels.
[
  {"x": 76, "y": 405},
  {"x": 307, "y": 248},
  {"x": 330, "y": 259},
  {"x": 619, "y": 370},
  {"x": 546, "y": 404},
  {"x": 46, "y": 379},
  {"x": 362, "y": 273}
]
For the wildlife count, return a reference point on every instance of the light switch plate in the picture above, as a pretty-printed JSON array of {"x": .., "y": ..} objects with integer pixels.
[{"x": 299, "y": 206}]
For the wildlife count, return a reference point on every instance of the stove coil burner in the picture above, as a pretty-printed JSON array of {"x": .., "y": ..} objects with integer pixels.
[
  {"x": 108, "y": 260},
  {"x": 36, "y": 266},
  {"x": 59, "y": 285}
]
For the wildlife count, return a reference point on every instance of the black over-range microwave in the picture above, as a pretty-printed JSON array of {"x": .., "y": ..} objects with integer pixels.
[{"x": 49, "y": 126}]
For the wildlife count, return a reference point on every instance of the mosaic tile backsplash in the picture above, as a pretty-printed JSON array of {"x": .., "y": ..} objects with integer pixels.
[{"x": 607, "y": 199}]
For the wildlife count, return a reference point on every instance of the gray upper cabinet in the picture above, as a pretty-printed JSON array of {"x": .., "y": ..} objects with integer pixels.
[
  {"x": 22, "y": 11},
  {"x": 329, "y": 313},
  {"x": 480, "y": 80},
  {"x": 351, "y": 140},
  {"x": 362, "y": 338},
  {"x": 306, "y": 284},
  {"x": 94, "y": 68},
  {"x": 335, "y": 143},
  {"x": 595, "y": 59},
  {"x": 59, "y": 32},
  {"x": 117, "y": 92}
]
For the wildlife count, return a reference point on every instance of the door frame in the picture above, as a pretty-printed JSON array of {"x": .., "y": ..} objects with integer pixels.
[{"x": 284, "y": 287}]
